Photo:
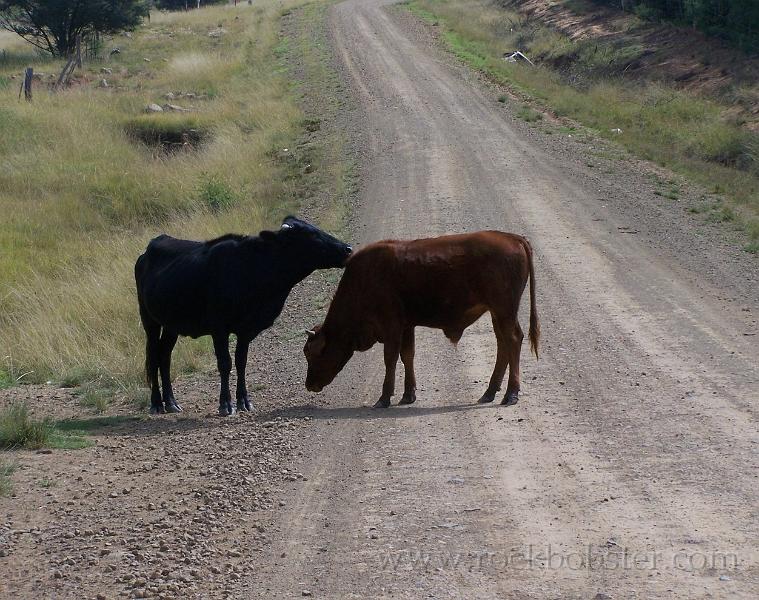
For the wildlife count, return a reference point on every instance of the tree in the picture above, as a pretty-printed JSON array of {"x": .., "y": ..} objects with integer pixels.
[{"x": 54, "y": 25}]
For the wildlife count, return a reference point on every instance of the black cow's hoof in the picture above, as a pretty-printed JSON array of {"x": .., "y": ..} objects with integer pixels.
[
  {"x": 383, "y": 402},
  {"x": 510, "y": 399},
  {"x": 157, "y": 410},
  {"x": 173, "y": 407},
  {"x": 487, "y": 398},
  {"x": 244, "y": 406},
  {"x": 408, "y": 398}
]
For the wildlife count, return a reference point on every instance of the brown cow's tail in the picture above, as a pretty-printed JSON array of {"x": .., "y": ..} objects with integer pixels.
[{"x": 534, "y": 334}]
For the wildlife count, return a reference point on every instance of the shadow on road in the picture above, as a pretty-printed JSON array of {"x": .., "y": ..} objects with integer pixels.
[{"x": 367, "y": 412}]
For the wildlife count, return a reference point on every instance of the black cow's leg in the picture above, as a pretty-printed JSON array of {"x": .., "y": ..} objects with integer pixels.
[
  {"x": 168, "y": 341},
  {"x": 241, "y": 360},
  {"x": 409, "y": 377},
  {"x": 224, "y": 362},
  {"x": 392, "y": 350},
  {"x": 515, "y": 349},
  {"x": 152, "y": 361},
  {"x": 501, "y": 361}
]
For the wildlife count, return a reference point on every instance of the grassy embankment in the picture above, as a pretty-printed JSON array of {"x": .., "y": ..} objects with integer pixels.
[
  {"x": 85, "y": 182},
  {"x": 694, "y": 136}
]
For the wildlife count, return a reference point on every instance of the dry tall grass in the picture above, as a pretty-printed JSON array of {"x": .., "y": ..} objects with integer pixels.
[{"x": 80, "y": 197}]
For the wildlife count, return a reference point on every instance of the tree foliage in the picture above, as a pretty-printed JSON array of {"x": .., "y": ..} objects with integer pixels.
[
  {"x": 734, "y": 20},
  {"x": 54, "y": 25}
]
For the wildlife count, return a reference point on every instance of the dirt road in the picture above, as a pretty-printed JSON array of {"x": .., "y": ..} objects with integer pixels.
[
  {"x": 627, "y": 470},
  {"x": 629, "y": 467}
]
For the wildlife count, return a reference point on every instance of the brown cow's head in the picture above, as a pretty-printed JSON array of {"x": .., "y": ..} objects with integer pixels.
[{"x": 326, "y": 358}]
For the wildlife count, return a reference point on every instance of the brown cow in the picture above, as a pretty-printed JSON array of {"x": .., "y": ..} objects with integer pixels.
[{"x": 448, "y": 282}]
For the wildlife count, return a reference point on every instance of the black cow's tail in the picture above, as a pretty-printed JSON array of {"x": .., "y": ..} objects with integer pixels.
[
  {"x": 534, "y": 334},
  {"x": 152, "y": 329}
]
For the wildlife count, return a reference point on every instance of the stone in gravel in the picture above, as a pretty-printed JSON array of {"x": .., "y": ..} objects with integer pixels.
[{"x": 306, "y": 593}]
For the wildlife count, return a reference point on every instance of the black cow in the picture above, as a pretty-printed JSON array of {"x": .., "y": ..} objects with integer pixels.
[{"x": 233, "y": 284}]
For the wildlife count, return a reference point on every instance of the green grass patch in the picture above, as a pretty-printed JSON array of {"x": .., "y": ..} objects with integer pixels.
[
  {"x": 6, "y": 379},
  {"x": 584, "y": 80},
  {"x": 19, "y": 430},
  {"x": 529, "y": 114},
  {"x": 216, "y": 194}
]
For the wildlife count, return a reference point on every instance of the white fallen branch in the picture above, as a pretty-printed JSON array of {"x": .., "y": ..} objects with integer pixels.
[{"x": 516, "y": 55}]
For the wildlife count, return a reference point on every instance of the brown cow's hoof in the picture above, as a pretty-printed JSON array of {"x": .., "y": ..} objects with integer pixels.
[
  {"x": 487, "y": 398},
  {"x": 408, "y": 398},
  {"x": 510, "y": 399},
  {"x": 383, "y": 402}
]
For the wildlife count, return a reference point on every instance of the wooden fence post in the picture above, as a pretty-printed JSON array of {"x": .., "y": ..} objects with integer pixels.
[{"x": 26, "y": 84}]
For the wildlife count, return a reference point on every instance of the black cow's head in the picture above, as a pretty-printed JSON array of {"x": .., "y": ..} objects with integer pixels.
[
  {"x": 325, "y": 251},
  {"x": 326, "y": 358}
]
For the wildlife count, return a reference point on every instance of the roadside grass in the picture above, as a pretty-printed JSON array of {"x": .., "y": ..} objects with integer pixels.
[
  {"x": 88, "y": 179},
  {"x": 529, "y": 114},
  {"x": 6, "y": 470},
  {"x": 19, "y": 430},
  {"x": 95, "y": 398},
  {"x": 694, "y": 136}
]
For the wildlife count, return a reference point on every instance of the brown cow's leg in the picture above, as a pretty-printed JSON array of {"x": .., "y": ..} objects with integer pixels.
[
  {"x": 515, "y": 349},
  {"x": 501, "y": 361},
  {"x": 409, "y": 377},
  {"x": 392, "y": 350}
]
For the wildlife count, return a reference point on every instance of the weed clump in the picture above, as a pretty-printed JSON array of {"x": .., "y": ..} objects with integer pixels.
[
  {"x": 19, "y": 430},
  {"x": 216, "y": 194}
]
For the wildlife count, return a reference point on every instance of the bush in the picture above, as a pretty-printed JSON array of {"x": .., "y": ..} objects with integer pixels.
[
  {"x": 19, "y": 430},
  {"x": 721, "y": 144},
  {"x": 216, "y": 194}
]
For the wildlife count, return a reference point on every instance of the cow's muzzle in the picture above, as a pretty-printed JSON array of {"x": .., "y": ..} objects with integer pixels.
[{"x": 314, "y": 387}]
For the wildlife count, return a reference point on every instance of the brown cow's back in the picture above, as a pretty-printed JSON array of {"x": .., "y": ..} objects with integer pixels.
[{"x": 446, "y": 282}]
